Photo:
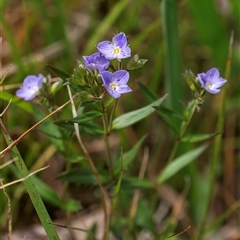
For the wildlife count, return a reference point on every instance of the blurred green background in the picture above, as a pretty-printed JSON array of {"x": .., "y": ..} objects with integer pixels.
[{"x": 173, "y": 36}]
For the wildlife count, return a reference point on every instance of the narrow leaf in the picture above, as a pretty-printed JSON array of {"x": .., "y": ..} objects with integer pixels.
[
  {"x": 48, "y": 194},
  {"x": 85, "y": 127},
  {"x": 60, "y": 73},
  {"x": 179, "y": 163},
  {"x": 148, "y": 94},
  {"x": 85, "y": 117},
  {"x": 83, "y": 175},
  {"x": 134, "y": 182},
  {"x": 128, "y": 157},
  {"x": 171, "y": 117},
  {"x": 130, "y": 118},
  {"x": 172, "y": 59},
  {"x": 32, "y": 190},
  {"x": 198, "y": 137}
]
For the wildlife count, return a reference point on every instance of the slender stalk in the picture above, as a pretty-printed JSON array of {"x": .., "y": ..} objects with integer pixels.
[
  {"x": 109, "y": 155},
  {"x": 183, "y": 128},
  {"x": 111, "y": 117},
  {"x": 15, "y": 142},
  {"x": 217, "y": 146},
  {"x": 93, "y": 167},
  {"x": 106, "y": 139},
  {"x": 119, "y": 65}
]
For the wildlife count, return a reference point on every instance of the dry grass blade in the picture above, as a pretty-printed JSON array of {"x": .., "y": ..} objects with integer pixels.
[
  {"x": 22, "y": 179},
  {"x": 9, "y": 210}
]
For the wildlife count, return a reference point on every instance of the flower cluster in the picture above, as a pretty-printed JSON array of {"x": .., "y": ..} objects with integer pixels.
[{"x": 115, "y": 83}]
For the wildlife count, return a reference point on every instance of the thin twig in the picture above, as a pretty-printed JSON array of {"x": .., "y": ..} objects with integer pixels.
[
  {"x": 7, "y": 163},
  {"x": 22, "y": 179},
  {"x": 15, "y": 142},
  {"x": 2, "y": 113},
  {"x": 137, "y": 192},
  {"x": 9, "y": 211}
]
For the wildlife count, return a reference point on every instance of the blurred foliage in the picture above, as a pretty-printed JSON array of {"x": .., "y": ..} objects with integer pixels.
[{"x": 59, "y": 32}]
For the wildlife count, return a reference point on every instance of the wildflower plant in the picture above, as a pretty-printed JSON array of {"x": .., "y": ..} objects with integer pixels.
[{"x": 94, "y": 89}]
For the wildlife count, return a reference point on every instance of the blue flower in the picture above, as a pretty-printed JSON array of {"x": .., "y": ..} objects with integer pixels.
[
  {"x": 211, "y": 81},
  {"x": 96, "y": 62},
  {"x": 116, "y": 83},
  {"x": 118, "y": 48},
  {"x": 31, "y": 86}
]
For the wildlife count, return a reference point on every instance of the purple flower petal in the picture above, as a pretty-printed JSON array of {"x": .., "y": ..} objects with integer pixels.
[
  {"x": 121, "y": 77},
  {"x": 106, "y": 77},
  {"x": 123, "y": 89},
  {"x": 213, "y": 91},
  {"x": 120, "y": 40},
  {"x": 115, "y": 83},
  {"x": 106, "y": 48},
  {"x": 125, "y": 53},
  {"x": 96, "y": 61},
  {"x": 113, "y": 93},
  {"x": 213, "y": 74},
  {"x": 31, "y": 86},
  {"x": 211, "y": 80},
  {"x": 219, "y": 84},
  {"x": 117, "y": 49}
]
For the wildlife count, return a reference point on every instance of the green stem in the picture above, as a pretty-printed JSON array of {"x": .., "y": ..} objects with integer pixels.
[
  {"x": 31, "y": 188},
  {"x": 183, "y": 128},
  {"x": 111, "y": 117},
  {"x": 106, "y": 139},
  {"x": 93, "y": 167},
  {"x": 119, "y": 65}
]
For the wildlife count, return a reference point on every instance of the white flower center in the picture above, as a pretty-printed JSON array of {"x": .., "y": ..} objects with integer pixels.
[
  {"x": 116, "y": 50},
  {"x": 208, "y": 85},
  {"x": 113, "y": 86},
  {"x": 33, "y": 89}
]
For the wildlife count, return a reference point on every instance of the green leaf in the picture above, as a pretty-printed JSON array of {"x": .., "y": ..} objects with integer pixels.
[
  {"x": 172, "y": 81},
  {"x": 130, "y": 118},
  {"x": 32, "y": 191},
  {"x": 85, "y": 117},
  {"x": 179, "y": 163},
  {"x": 24, "y": 105},
  {"x": 171, "y": 117},
  {"x": 165, "y": 110},
  {"x": 134, "y": 182},
  {"x": 63, "y": 75},
  {"x": 74, "y": 159},
  {"x": 128, "y": 157},
  {"x": 198, "y": 137},
  {"x": 49, "y": 195},
  {"x": 148, "y": 94},
  {"x": 91, "y": 129},
  {"x": 136, "y": 63},
  {"x": 85, "y": 127},
  {"x": 83, "y": 175},
  {"x": 49, "y": 129}
]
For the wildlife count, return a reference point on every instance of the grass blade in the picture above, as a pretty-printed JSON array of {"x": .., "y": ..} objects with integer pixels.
[
  {"x": 173, "y": 66},
  {"x": 31, "y": 189}
]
